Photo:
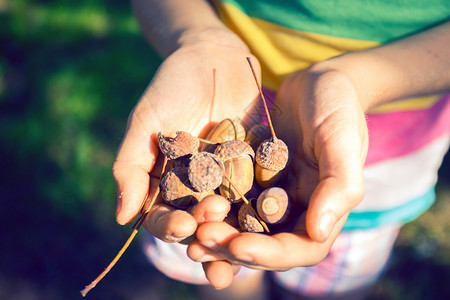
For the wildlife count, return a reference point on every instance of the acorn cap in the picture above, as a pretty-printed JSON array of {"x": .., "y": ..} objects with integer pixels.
[
  {"x": 176, "y": 188},
  {"x": 182, "y": 144},
  {"x": 248, "y": 221},
  {"x": 205, "y": 173},
  {"x": 232, "y": 149},
  {"x": 272, "y": 154}
]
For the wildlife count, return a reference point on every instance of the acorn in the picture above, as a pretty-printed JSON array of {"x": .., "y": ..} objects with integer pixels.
[
  {"x": 177, "y": 190},
  {"x": 248, "y": 221},
  {"x": 204, "y": 171},
  {"x": 271, "y": 158},
  {"x": 237, "y": 157},
  {"x": 182, "y": 144},
  {"x": 273, "y": 205},
  {"x": 272, "y": 155},
  {"x": 226, "y": 130}
]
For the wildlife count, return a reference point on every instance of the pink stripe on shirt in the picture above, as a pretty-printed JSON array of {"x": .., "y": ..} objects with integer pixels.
[
  {"x": 393, "y": 134},
  {"x": 399, "y": 133}
]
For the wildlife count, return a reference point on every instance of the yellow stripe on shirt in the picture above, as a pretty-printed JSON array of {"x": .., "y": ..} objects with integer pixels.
[
  {"x": 409, "y": 104},
  {"x": 283, "y": 51}
]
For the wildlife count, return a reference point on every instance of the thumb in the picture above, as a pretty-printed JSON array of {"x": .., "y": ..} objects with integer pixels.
[
  {"x": 135, "y": 159},
  {"x": 341, "y": 183}
]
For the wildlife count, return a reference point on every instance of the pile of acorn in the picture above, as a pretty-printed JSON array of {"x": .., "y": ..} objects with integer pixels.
[{"x": 231, "y": 163}]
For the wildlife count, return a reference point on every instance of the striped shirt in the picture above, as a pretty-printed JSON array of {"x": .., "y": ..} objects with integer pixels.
[{"x": 408, "y": 138}]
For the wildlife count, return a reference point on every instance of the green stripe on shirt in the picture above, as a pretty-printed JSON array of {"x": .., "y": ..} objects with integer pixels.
[
  {"x": 370, "y": 20},
  {"x": 397, "y": 215}
]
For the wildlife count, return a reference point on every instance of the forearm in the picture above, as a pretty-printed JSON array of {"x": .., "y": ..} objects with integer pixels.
[
  {"x": 415, "y": 66},
  {"x": 169, "y": 24}
]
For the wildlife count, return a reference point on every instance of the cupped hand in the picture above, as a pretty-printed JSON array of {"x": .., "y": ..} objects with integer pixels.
[
  {"x": 198, "y": 85},
  {"x": 322, "y": 121}
]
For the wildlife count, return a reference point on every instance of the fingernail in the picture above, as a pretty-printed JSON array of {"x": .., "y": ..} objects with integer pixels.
[
  {"x": 119, "y": 204},
  {"x": 327, "y": 222}
]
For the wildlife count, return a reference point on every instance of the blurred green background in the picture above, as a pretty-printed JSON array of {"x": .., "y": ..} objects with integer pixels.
[{"x": 70, "y": 73}]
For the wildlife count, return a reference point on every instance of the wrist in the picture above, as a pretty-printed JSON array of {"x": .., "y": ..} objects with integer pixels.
[
  {"x": 216, "y": 35},
  {"x": 374, "y": 80},
  {"x": 344, "y": 71},
  {"x": 171, "y": 24},
  {"x": 415, "y": 66}
]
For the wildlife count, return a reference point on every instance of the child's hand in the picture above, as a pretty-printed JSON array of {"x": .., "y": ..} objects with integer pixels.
[
  {"x": 201, "y": 83},
  {"x": 323, "y": 124}
]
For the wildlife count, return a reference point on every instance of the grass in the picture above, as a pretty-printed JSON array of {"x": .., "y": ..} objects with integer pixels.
[{"x": 70, "y": 72}]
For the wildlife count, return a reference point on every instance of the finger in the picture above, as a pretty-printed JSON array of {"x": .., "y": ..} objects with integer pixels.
[
  {"x": 215, "y": 235},
  {"x": 169, "y": 224},
  {"x": 212, "y": 208},
  {"x": 219, "y": 273},
  {"x": 218, "y": 209},
  {"x": 199, "y": 253},
  {"x": 135, "y": 159},
  {"x": 281, "y": 251},
  {"x": 212, "y": 243},
  {"x": 332, "y": 200},
  {"x": 341, "y": 185}
]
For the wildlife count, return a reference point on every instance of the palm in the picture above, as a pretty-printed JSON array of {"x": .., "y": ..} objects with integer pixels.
[
  {"x": 194, "y": 88},
  {"x": 191, "y": 90}
]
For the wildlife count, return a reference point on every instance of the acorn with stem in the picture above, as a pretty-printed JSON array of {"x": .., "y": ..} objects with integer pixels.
[{"x": 272, "y": 155}]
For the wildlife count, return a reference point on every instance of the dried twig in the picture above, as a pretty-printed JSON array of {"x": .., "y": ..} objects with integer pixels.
[
  {"x": 262, "y": 97},
  {"x": 127, "y": 243}
]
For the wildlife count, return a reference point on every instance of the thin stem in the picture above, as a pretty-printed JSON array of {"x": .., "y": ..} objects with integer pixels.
[
  {"x": 135, "y": 227},
  {"x": 262, "y": 97},
  {"x": 206, "y": 141},
  {"x": 244, "y": 199},
  {"x": 155, "y": 195},
  {"x": 137, "y": 221}
]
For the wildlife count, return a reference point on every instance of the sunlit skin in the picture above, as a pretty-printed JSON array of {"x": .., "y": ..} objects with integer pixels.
[
  {"x": 322, "y": 122},
  {"x": 331, "y": 189},
  {"x": 185, "y": 106}
]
